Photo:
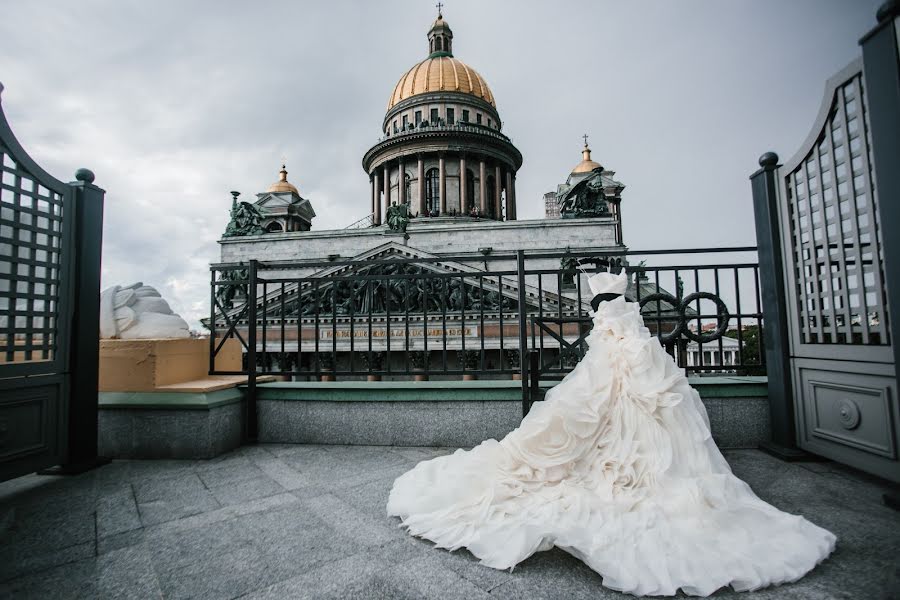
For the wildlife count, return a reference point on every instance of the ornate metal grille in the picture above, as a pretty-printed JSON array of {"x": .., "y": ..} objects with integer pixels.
[
  {"x": 31, "y": 239},
  {"x": 838, "y": 264}
]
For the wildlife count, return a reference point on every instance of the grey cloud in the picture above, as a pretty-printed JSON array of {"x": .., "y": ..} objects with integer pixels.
[{"x": 173, "y": 104}]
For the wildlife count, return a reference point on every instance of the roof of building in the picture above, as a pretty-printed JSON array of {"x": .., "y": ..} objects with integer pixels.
[
  {"x": 441, "y": 72},
  {"x": 283, "y": 185},
  {"x": 586, "y": 165}
]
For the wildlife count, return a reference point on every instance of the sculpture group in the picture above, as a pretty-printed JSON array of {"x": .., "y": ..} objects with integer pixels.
[{"x": 585, "y": 199}]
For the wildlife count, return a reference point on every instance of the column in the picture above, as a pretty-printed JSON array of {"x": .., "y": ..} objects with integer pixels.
[
  {"x": 482, "y": 185},
  {"x": 376, "y": 183},
  {"x": 372, "y": 199},
  {"x": 442, "y": 186},
  {"x": 619, "y": 221},
  {"x": 401, "y": 182},
  {"x": 509, "y": 195},
  {"x": 511, "y": 202},
  {"x": 498, "y": 189},
  {"x": 387, "y": 188},
  {"x": 463, "y": 187},
  {"x": 421, "y": 176}
]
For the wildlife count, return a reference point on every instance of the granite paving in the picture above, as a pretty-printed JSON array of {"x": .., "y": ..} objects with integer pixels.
[{"x": 301, "y": 521}]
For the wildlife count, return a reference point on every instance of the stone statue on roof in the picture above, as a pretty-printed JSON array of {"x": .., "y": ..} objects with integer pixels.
[
  {"x": 585, "y": 199},
  {"x": 398, "y": 217},
  {"x": 245, "y": 219}
]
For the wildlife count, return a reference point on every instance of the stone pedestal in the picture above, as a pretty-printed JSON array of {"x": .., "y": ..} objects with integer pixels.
[
  {"x": 147, "y": 365},
  {"x": 157, "y": 399}
]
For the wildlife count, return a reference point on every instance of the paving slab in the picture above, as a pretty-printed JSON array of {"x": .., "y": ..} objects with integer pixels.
[{"x": 287, "y": 521}]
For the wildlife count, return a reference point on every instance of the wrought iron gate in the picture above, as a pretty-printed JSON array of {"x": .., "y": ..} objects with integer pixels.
[
  {"x": 821, "y": 217},
  {"x": 48, "y": 327}
]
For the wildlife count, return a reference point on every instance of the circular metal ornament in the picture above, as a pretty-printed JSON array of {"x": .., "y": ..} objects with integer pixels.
[
  {"x": 722, "y": 317},
  {"x": 666, "y": 338},
  {"x": 849, "y": 414}
]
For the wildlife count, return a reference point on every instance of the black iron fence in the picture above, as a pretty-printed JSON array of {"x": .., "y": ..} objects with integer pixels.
[{"x": 516, "y": 315}]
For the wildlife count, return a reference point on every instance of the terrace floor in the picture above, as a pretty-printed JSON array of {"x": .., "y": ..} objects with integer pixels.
[{"x": 283, "y": 521}]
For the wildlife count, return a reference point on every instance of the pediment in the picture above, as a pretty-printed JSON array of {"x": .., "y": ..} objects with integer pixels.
[
  {"x": 270, "y": 200},
  {"x": 387, "y": 280}
]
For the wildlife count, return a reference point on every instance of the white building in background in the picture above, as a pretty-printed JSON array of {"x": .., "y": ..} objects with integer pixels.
[{"x": 714, "y": 354}]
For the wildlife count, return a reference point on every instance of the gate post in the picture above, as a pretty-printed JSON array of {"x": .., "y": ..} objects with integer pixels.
[
  {"x": 84, "y": 342},
  {"x": 764, "y": 184},
  {"x": 252, "y": 427},
  {"x": 881, "y": 67},
  {"x": 523, "y": 322}
]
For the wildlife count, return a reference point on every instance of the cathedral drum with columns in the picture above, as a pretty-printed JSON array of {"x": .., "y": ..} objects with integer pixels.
[{"x": 443, "y": 152}]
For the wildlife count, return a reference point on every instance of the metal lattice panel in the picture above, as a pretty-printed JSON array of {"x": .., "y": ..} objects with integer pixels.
[
  {"x": 31, "y": 239},
  {"x": 835, "y": 236}
]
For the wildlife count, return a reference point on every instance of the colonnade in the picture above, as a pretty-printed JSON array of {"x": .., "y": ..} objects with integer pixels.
[{"x": 504, "y": 180}]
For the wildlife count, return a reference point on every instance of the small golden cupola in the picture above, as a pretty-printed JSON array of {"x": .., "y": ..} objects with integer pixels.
[
  {"x": 440, "y": 38},
  {"x": 282, "y": 185},
  {"x": 586, "y": 165}
]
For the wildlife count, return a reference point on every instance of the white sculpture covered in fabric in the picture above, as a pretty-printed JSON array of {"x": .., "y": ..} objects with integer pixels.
[
  {"x": 618, "y": 468},
  {"x": 138, "y": 312}
]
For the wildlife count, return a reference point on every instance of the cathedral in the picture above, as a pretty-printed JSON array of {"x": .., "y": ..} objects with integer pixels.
[
  {"x": 442, "y": 180},
  {"x": 444, "y": 156}
]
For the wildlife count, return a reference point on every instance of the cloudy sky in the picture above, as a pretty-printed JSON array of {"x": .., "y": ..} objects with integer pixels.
[{"x": 174, "y": 103}]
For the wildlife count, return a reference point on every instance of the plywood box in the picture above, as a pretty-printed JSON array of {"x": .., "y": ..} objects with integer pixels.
[{"x": 146, "y": 365}]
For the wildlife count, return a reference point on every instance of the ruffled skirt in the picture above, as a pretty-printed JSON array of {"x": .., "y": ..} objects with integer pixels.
[{"x": 618, "y": 468}]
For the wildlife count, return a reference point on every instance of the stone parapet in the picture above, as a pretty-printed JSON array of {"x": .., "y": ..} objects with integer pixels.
[{"x": 462, "y": 413}]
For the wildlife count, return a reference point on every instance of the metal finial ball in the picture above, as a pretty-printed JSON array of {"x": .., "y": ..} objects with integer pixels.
[
  {"x": 887, "y": 10},
  {"x": 769, "y": 159},
  {"x": 85, "y": 175}
]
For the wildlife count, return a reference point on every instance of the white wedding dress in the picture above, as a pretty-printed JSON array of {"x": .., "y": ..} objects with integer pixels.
[{"x": 616, "y": 467}]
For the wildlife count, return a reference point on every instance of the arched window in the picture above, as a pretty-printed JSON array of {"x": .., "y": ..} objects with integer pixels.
[
  {"x": 438, "y": 44},
  {"x": 273, "y": 227},
  {"x": 470, "y": 191},
  {"x": 491, "y": 197},
  {"x": 432, "y": 192}
]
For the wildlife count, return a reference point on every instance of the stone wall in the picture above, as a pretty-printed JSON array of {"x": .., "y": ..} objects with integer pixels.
[
  {"x": 462, "y": 413},
  {"x": 440, "y": 236}
]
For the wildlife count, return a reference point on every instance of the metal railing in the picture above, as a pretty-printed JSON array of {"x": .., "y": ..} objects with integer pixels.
[
  {"x": 365, "y": 222},
  {"x": 402, "y": 316},
  {"x": 458, "y": 127}
]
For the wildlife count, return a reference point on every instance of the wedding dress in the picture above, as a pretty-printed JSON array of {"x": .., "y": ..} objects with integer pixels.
[{"x": 616, "y": 467}]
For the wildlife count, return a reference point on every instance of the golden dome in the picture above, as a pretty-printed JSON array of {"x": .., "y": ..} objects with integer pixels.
[
  {"x": 441, "y": 74},
  {"x": 282, "y": 185},
  {"x": 586, "y": 165}
]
